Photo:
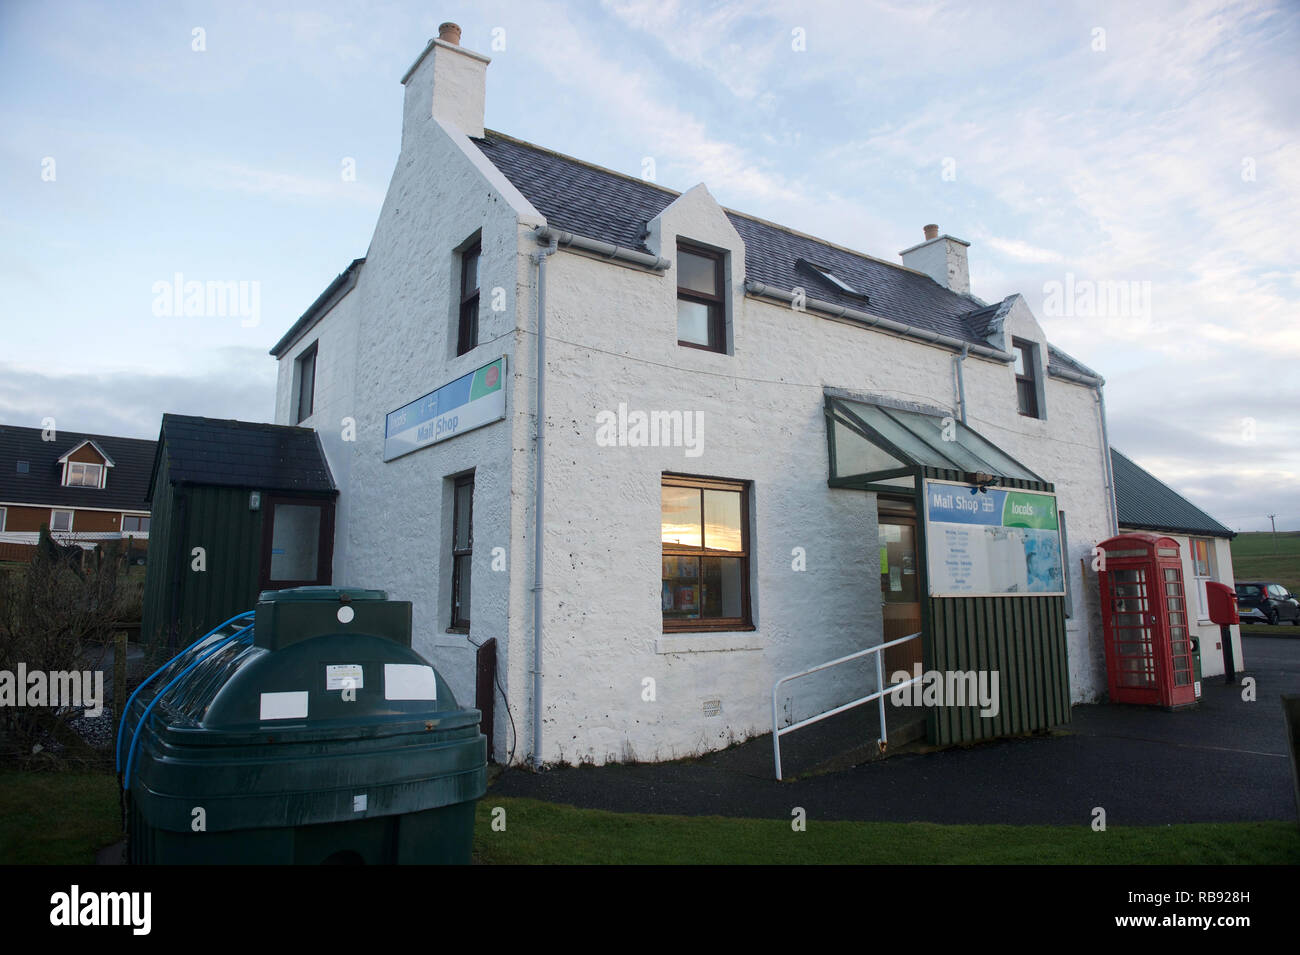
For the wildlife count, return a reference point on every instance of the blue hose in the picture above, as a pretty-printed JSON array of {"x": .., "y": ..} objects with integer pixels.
[
  {"x": 121, "y": 722},
  {"x": 144, "y": 717}
]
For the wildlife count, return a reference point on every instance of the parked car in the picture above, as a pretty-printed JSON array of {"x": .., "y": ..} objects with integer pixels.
[{"x": 1267, "y": 603}]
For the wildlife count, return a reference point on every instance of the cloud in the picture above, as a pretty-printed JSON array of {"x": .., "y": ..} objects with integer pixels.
[{"x": 241, "y": 384}]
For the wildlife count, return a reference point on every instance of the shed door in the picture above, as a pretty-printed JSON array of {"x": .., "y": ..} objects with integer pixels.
[
  {"x": 297, "y": 543},
  {"x": 1133, "y": 621}
]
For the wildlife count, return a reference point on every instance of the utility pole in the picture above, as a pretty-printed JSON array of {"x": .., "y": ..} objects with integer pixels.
[{"x": 1274, "y": 523}]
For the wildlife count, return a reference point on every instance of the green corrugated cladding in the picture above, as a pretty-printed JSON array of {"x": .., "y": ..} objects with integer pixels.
[
  {"x": 193, "y": 601},
  {"x": 158, "y": 567},
  {"x": 1022, "y": 638}
]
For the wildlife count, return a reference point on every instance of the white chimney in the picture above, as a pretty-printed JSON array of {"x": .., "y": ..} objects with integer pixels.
[
  {"x": 448, "y": 82},
  {"x": 941, "y": 257}
]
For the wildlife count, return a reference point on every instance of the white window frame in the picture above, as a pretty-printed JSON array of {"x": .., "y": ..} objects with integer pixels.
[
  {"x": 72, "y": 517},
  {"x": 122, "y": 524},
  {"x": 67, "y": 473},
  {"x": 1202, "y": 598},
  {"x": 4, "y": 516}
]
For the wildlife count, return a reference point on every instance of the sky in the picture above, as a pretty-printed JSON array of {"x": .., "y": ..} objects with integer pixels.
[{"x": 1080, "y": 148}]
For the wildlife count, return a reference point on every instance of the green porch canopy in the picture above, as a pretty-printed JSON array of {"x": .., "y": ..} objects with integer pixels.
[{"x": 872, "y": 446}]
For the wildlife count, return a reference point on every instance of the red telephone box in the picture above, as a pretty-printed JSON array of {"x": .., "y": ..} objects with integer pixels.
[{"x": 1144, "y": 615}]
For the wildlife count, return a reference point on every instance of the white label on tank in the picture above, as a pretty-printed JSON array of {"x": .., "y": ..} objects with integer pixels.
[
  {"x": 337, "y": 676},
  {"x": 409, "y": 681},
  {"x": 284, "y": 706}
]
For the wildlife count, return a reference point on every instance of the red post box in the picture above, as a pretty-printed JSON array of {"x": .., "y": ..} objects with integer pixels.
[
  {"x": 1223, "y": 603},
  {"x": 1144, "y": 617}
]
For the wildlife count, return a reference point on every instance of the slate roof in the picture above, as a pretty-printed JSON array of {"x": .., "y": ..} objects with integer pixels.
[
  {"x": 1143, "y": 501},
  {"x": 125, "y": 488},
  {"x": 225, "y": 453},
  {"x": 601, "y": 204}
]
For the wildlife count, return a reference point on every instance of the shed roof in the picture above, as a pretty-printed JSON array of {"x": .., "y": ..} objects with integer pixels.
[
  {"x": 1143, "y": 501},
  {"x": 226, "y": 453}
]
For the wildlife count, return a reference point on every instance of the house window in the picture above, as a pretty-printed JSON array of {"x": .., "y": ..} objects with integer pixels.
[
  {"x": 23, "y": 467},
  {"x": 84, "y": 475},
  {"x": 1026, "y": 377},
  {"x": 467, "y": 334},
  {"x": 306, "y": 384},
  {"x": 61, "y": 520},
  {"x": 1202, "y": 552},
  {"x": 704, "y": 531},
  {"x": 3, "y": 514},
  {"x": 134, "y": 524},
  {"x": 701, "y": 304},
  {"x": 462, "y": 548}
]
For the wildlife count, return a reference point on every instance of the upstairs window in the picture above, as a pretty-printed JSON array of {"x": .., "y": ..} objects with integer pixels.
[
  {"x": 84, "y": 475},
  {"x": 23, "y": 467},
  {"x": 306, "y": 384},
  {"x": 701, "y": 303},
  {"x": 467, "y": 335},
  {"x": 1026, "y": 377}
]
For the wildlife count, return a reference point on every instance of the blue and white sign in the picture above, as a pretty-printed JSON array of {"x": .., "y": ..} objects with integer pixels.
[
  {"x": 991, "y": 542},
  {"x": 469, "y": 402}
]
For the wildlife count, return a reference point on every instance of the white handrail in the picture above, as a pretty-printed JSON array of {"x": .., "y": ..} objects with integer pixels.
[{"x": 879, "y": 694}]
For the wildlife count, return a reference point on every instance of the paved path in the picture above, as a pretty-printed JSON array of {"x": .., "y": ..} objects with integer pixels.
[{"x": 1223, "y": 761}]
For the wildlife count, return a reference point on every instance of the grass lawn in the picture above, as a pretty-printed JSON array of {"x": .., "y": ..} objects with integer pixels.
[
  {"x": 63, "y": 818},
  {"x": 57, "y": 818},
  {"x": 1257, "y": 556},
  {"x": 538, "y": 832}
]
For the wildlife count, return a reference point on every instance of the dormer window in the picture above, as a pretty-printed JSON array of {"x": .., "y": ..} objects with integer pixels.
[
  {"x": 701, "y": 301},
  {"x": 81, "y": 474},
  {"x": 1027, "y": 389}
]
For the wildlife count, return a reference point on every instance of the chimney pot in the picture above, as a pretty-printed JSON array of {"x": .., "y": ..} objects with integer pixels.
[
  {"x": 449, "y": 33},
  {"x": 931, "y": 232}
]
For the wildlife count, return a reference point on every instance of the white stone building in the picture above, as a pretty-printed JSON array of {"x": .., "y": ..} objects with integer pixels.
[{"x": 694, "y": 360}]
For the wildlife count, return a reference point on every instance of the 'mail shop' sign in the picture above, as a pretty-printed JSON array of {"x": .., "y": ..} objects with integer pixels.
[
  {"x": 469, "y": 402},
  {"x": 991, "y": 542}
]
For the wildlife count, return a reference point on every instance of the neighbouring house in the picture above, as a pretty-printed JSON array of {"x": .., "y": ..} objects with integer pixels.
[
  {"x": 238, "y": 508},
  {"x": 1147, "y": 504},
  {"x": 86, "y": 488},
  {"x": 665, "y": 453}
]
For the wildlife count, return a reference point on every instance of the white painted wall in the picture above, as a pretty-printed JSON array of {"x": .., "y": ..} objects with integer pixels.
[
  {"x": 335, "y": 338},
  {"x": 611, "y": 339}
]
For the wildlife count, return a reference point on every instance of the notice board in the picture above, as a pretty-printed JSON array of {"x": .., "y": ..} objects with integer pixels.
[{"x": 991, "y": 542}]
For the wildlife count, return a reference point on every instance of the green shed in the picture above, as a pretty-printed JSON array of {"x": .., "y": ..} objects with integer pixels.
[{"x": 237, "y": 508}]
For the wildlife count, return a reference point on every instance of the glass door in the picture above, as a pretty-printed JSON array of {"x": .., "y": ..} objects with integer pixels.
[
  {"x": 1134, "y": 636},
  {"x": 900, "y": 590}
]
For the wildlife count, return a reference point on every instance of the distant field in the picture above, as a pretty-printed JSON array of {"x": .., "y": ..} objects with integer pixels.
[{"x": 1256, "y": 556}]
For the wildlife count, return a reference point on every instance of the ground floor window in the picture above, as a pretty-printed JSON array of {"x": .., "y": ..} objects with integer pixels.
[
  {"x": 704, "y": 531},
  {"x": 60, "y": 520},
  {"x": 297, "y": 543},
  {"x": 134, "y": 524},
  {"x": 462, "y": 551}
]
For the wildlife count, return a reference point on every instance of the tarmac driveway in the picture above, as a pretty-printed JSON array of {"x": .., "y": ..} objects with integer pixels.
[{"x": 1225, "y": 761}]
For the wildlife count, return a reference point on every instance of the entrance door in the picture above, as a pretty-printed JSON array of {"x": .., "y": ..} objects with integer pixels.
[{"x": 900, "y": 590}]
